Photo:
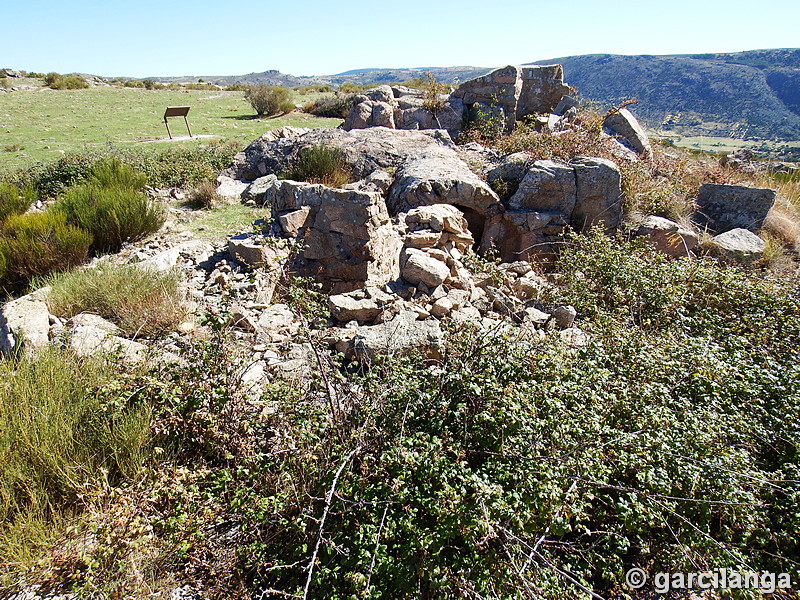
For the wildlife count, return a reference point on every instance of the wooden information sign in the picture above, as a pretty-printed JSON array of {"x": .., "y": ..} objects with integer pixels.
[{"x": 177, "y": 111}]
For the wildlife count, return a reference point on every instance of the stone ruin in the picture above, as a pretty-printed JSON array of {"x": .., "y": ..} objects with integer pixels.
[
  {"x": 417, "y": 207},
  {"x": 507, "y": 94}
]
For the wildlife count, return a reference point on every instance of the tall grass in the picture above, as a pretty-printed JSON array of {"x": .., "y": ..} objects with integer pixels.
[
  {"x": 35, "y": 244},
  {"x": 142, "y": 302},
  {"x": 321, "y": 164},
  {"x": 59, "y": 439}
]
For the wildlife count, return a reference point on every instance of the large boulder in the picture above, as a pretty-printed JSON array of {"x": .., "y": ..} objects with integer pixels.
[
  {"x": 624, "y": 126},
  {"x": 514, "y": 92},
  {"x": 369, "y": 113},
  {"x": 365, "y": 150},
  {"x": 403, "y": 333},
  {"x": 721, "y": 208},
  {"x": 598, "y": 194},
  {"x": 542, "y": 89},
  {"x": 438, "y": 176},
  {"x": 348, "y": 240},
  {"x": 547, "y": 186},
  {"x": 501, "y": 88}
]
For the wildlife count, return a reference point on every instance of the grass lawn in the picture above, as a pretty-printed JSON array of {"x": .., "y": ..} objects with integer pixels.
[{"x": 40, "y": 125}]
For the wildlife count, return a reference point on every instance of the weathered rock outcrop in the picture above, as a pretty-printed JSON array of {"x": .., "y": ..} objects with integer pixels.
[
  {"x": 366, "y": 150},
  {"x": 515, "y": 91},
  {"x": 347, "y": 238},
  {"x": 721, "y": 208},
  {"x": 438, "y": 176},
  {"x": 668, "y": 236}
]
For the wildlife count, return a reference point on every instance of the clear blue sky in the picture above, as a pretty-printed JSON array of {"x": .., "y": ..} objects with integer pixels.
[{"x": 142, "y": 38}]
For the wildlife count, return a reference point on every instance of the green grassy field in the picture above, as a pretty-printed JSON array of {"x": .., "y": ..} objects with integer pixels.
[{"x": 41, "y": 125}]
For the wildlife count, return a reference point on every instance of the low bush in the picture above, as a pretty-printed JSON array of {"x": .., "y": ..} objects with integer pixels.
[
  {"x": 36, "y": 244},
  {"x": 335, "y": 105},
  {"x": 65, "y": 82},
  {"x": 269, "y": 100},
  {"x": 205, "y": 195},
  {"x": 173, "y": 167},
  {"x": 321, "y": 164},
  {"x": 15, "y": 200},
  {"x": 141, "y": 301}
]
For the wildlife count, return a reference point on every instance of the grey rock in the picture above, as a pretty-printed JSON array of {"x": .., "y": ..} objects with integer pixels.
[
  {"x": 25, "y": 321},
  {"x": 721, "y": 208},
  {"x": 420, "y": 267},
  {"x": 401, "y": 334},
  {"x": 439, "y": 176},
  {"x": 277, "y": 323},
  {"x": 548, "y": 186},
  {"x": 86, "y": 340},
  {"x": 738, "y": 245},
  {"x": 344, "y": 308},
  {"x": 598, "y": 194},
  {"x": 230, "y": 190},
  {"x": 623, "y": 125},
  {"x": 565, "y": 316},
  {"x": 254, "y": 250},
  {"x": 366, "y": 150}
]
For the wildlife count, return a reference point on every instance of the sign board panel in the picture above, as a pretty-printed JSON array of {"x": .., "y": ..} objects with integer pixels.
[{"x": 177, "y": 111}]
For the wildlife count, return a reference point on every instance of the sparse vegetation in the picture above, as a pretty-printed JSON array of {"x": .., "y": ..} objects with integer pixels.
[
  {"x": 141, "y": 301},
  {"x": 321, "y": 164}
]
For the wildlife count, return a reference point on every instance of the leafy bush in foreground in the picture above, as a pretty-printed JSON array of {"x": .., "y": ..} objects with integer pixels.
[{"x": 36, "y": 244}]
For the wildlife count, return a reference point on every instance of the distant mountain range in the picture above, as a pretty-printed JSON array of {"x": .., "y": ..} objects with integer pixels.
[{"x": 754, "y": 94}]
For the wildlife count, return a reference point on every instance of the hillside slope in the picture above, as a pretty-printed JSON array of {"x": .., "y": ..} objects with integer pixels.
[{"x": 747, "y": 94}]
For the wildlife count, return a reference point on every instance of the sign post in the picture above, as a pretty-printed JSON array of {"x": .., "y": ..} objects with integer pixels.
[{"x": 177, "y": 111}]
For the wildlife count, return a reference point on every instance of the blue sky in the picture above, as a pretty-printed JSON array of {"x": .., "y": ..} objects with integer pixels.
[{"x": 320, "y": 37}]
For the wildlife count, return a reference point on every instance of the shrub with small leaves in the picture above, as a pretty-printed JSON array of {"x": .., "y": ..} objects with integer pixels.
[{"x": 321, "y": 164}]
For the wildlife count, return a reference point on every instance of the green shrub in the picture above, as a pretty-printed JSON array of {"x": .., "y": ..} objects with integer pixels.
[
  {"x": 14, "y": 200},
  {"x": 36, "y": 244},
  {"x": 176, "y": 166},
  {"x": 270, "y": 100},
  {"x": 134, "y": 83},
  {"x": 335, "y": 105},
  {"x": 113, "y": 215},
  {"x": 65, "y": 82},
  {"x": 143, "y": 302},
  {"x": 112, "y": 172},
  {"x": 321, "y": 164}
]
